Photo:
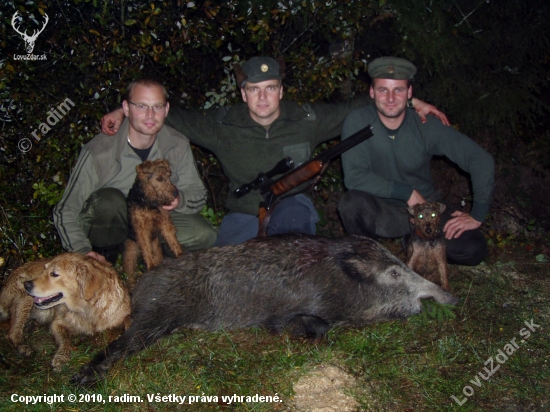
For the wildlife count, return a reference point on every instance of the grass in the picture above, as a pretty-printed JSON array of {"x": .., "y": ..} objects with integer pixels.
[{"x": 415, "y": 365}]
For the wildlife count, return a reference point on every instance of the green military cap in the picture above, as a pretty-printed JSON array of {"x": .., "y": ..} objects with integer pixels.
[
  {"x": 391, "y": 68},
  {"x": 259, "y": 69}
]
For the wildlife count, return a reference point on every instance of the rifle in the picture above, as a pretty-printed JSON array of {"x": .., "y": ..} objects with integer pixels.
[
  {"x": 263, "y": 179},
  {"x": 272, "y": 191}
]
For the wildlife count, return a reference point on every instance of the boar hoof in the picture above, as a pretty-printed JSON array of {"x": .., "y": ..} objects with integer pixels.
[{"x": 309, "y": 327}]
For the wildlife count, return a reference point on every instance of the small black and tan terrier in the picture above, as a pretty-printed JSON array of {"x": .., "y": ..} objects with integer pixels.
[
  {"x": 426, "y": 252},
  {"x": 151, "y": 190}
]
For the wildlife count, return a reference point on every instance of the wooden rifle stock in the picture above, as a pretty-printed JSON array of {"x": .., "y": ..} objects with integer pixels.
[
  {"x": 307, "y": 171},
  {"x": 298, "y": 176}
]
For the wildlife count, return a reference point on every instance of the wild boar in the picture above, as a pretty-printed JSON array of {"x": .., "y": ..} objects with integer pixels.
[{"x": 304, "y": 284}]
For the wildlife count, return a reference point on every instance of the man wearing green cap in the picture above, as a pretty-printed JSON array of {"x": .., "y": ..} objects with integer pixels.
[
  {"x": 391, "y": 170},
  {"x": 252, "y": 137}
]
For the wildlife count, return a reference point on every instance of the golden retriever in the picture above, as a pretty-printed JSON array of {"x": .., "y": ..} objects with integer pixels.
[{"x": 74, "y": 293}]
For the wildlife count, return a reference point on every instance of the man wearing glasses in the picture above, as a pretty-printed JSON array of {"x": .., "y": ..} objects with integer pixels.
[{"x": 91, "y": 217}]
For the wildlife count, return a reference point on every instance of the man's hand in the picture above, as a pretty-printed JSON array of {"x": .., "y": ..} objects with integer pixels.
[
  {"x": 462, "y": 221},
  {"x": 415, "y": 198},
  {"x": 97, "y": 256},
  {"x": 172, "y": 205},
  {"x": 112, "y": 121},
  {"x": 423, "y": 109}
]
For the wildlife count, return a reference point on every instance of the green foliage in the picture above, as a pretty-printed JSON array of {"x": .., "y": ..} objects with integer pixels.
[
  {"x": 542, "y": 258},
  {"x": 437, "y": 311},
  {"x": 51, "y": 194},
  {"x": 488, "y": 69},
  {"x": 215, "y": 218},
  {"x": 95, "y": 48}
]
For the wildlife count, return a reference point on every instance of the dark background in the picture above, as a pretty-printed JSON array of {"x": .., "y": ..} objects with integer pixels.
[{"x": 486, "y": 64}]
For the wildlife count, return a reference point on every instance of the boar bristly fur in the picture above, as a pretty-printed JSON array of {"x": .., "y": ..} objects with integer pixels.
[{"x": 304, "y": 284}]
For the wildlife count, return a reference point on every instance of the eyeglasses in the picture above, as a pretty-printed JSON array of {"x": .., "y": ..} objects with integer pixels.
[
  {"x": 143, "y": 107},
  {"x": 271, "y": 89}
]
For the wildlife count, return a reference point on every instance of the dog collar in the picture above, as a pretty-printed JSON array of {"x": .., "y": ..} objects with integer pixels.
[{"x": 421, "y": 236}]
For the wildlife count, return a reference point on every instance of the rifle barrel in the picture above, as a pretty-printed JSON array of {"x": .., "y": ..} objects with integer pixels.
[{"x": 346, "y": 144}]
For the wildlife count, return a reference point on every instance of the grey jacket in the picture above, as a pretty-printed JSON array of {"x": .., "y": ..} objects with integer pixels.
[{"x": 108, "y": 161}]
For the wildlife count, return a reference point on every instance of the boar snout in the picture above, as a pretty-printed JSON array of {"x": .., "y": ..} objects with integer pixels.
[{"x": 440, "y": 296}]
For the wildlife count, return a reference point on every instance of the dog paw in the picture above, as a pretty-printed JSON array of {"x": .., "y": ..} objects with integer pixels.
[
  {"x": 59, "y": 360},
  {"x": 24, "y": 350}
]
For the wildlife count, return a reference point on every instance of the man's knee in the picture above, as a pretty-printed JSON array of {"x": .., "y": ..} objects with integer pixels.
[
  {"x": 236, "y": 228},
  {"x": 470, "y": 251},
  {"x": 479, "y": 254},
  {"x": 104, "y": 217},
  {"x": 106, "y": 202},
  {"x": 205, "y": 237},
  {"x": 193, "y": 231},
  {"x": 347, "y": 204},
  {"x": 294, "y": 215},
  {"x": 357, "y": 213}
]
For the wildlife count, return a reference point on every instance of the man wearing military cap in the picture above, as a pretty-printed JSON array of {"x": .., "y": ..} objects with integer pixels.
[
  {"x": 391, "y": 170},
  {"x": 392, "y": 68},
  {"x": 252, "y": 137}
]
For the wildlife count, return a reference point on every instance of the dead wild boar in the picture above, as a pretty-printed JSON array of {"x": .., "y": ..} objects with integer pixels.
[{"x": 304, "y": 284}]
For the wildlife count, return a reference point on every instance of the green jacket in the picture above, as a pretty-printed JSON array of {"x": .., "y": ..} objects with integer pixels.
[
  {"x": 391, "y": 168},
  {"x": 245, "y": 148},
  {"x": 108, "y": 161}
]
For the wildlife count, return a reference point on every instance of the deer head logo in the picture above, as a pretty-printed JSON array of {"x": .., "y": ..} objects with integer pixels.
[{"x": 29, "y": 40}]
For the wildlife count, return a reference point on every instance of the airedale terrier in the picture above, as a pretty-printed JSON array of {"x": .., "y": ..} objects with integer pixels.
[
  {"x": 426, "y": 252},
  {"x": 147, "y": 219}
]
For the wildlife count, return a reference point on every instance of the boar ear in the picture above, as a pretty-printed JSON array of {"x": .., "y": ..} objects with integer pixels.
[{"x": 356, "y": 268}]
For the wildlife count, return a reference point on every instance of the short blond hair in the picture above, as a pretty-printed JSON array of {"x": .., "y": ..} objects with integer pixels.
[{"x": 147, "y": 82}]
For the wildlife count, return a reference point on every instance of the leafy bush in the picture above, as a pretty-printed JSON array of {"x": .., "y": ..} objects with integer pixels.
[{"x": 486, "y": 69}]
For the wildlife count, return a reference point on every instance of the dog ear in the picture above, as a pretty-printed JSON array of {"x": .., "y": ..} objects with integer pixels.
[
  {"x": 442, "y": 208},
  {"x": 411, "y": 210},
  {"x": 145, "y": 168},
  {"x": 163, "y": 165},
  {"x": 86, "y": 279}
]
